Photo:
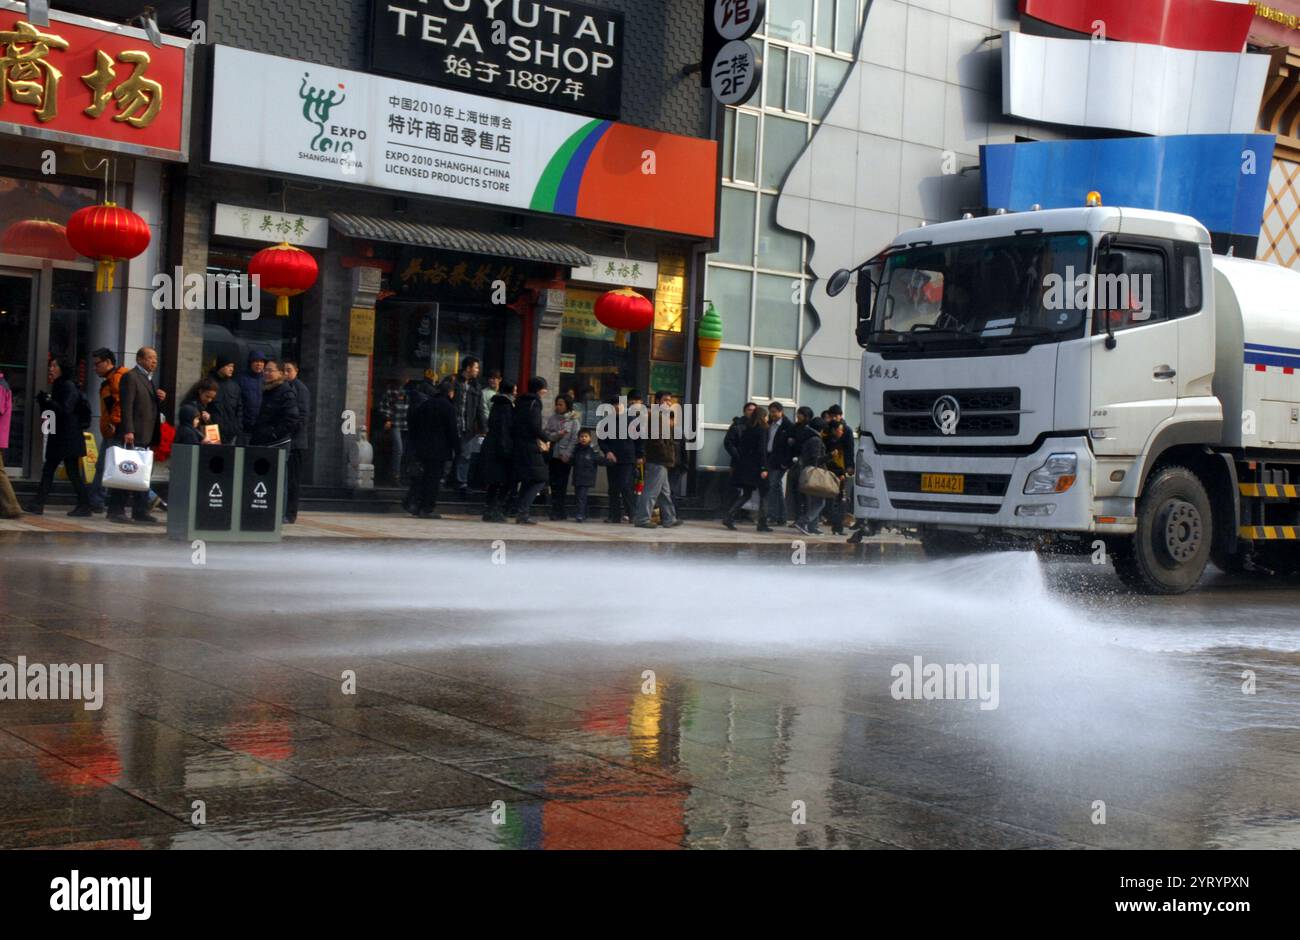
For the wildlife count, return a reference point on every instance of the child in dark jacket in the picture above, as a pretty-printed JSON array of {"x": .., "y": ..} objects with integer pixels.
[
  {"x": 586, "y": 458},
  {"x": 187, "y": 426}
]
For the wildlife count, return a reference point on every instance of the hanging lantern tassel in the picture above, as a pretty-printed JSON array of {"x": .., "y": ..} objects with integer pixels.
[
  {"x": 104, "y": 269},
  {"x": 285, "y": 271},
  {"x": 107, "y": 234},
  {"x": 624, "y": 311}
]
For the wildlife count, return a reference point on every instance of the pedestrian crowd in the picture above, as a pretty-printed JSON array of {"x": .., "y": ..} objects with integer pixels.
[
  {"x": 513, "y": 444},
  {"x": 268, "y": 405},
  {"x": 797, "y": 473},
  {"x": 517, "y": 446}
]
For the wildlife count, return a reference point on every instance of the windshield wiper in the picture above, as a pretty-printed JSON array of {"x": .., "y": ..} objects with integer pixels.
[
  {"x": 1026, "y": 331},
  {"x": 929, "y": 330}
]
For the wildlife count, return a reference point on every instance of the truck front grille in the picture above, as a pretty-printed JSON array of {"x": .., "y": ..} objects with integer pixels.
[
  {"x": 985, "y": 412},
  {"x": 939, "y": 505}
]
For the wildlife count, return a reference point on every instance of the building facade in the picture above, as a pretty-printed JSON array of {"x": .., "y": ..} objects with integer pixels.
[
  {"x": 870, "y": 121},
  {"x": 417, "y": 270},
  {"x": 90, "y": 111}
]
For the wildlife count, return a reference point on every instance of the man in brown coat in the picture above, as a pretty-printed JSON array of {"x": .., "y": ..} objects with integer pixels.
[{"x": 139, "y": 429}]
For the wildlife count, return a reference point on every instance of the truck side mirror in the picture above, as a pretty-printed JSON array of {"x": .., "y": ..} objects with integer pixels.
[
  {"x": 839, "y": 280},
  {"x": 864, "y": 297}
]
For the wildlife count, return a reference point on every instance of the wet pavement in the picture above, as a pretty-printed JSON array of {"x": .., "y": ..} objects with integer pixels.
[{"x": 368, "y": 695}]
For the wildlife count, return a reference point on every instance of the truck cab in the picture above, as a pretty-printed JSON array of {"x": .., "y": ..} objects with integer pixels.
[{"x": 1024, "y": 373}]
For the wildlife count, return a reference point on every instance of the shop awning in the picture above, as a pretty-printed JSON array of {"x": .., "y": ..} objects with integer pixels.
[{"x": 517, "y": 247}]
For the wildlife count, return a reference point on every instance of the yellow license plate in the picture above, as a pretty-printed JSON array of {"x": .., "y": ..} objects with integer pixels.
[{"x": 943, "y": 483}]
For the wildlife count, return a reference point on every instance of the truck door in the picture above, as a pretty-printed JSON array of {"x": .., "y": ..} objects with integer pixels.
[{"x": 1134, "y": 384}]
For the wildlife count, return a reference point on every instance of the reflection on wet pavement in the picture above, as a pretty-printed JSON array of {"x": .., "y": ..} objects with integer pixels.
[{"x": 380, "y": 698}]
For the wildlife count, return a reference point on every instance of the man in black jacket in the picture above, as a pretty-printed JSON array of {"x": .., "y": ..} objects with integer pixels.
[
  {"x": 470, "y": 424},
  {"x": 780, "y": 456},
  {"x": 530, "y": 445},
  {"x": 794, "y": 500},
  {"x": 301, "y": 440},
  {"x": 227, "y": 410},
  {"x": 433, "y": 434},
  {"x": 278, "y": 420},
  {"x": 620, "y": 465},
  {"x": 731, "y": 444}
]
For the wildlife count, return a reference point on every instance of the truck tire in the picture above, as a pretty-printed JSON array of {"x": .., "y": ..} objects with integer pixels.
[
  {"x": 1175, "y": 529},
  {"x": 945, "y": 543}
]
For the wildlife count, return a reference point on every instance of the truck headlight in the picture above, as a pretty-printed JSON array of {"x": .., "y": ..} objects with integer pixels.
[
  {"x": 1056, "y": 476},
  {"x": 865, "y": 476}
]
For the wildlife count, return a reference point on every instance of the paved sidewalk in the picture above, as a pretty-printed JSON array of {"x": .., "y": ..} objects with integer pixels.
[{"x": 462, "y": 528}]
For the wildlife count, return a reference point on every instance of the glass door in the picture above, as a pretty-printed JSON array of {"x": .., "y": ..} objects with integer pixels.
[{"x": 17, "y": 303}]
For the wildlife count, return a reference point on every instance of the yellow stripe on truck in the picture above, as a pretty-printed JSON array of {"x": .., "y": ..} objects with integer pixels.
[
  {"x": 1266, "y": 533},
  {"x": 1271, "y": 490}
]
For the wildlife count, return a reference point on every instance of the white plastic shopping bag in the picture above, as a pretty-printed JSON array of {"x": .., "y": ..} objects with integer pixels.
[{"x": 128, "y": 469}]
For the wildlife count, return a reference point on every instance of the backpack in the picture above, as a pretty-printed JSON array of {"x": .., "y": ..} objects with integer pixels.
[{"x": 82, "y": 411}]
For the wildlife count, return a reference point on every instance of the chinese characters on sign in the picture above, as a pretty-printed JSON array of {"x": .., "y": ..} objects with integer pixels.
[
  {"x": 558, "y": 54},
  {"x": 734, "y": 74},
  {"x": 446, "y": 276},
  {"x": 731, "y": 65},
  {"x": 737, "y": 19},
  {"x": 882, "y": 372},
  {"x": 264, "y": 225},
  {"x": 472, "y": 130},
  {"x": 268, "y": 113},
  {"x": 618, "y": 272},
  {"x": 670, "y": 293},
  {"x": 29, "y": 78},
  {"x": 132, "y": 95},
  {"x": 86, "y": 85}
]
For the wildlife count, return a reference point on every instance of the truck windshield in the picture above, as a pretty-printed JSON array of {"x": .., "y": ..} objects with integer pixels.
[{"x": 977, "y": 295}]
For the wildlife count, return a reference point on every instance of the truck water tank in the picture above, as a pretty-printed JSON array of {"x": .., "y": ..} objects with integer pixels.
[{"x": 1257, "y": 356}]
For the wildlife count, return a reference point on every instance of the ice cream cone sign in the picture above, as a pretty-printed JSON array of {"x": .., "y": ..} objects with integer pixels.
[{"x": 709, "y": 336}]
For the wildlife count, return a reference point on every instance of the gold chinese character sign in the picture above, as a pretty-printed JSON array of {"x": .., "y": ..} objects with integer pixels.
[
  {"x": 130, "y": 96},
  {"x": 28, "y": 76}
]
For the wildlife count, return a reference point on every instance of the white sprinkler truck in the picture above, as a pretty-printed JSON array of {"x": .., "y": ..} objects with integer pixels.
[{"x": 1078, "y": 380}]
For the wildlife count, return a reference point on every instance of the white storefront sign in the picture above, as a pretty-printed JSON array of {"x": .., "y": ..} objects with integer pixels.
[
  {"x": 262, "y": 225},
  {"x": 286, "y": 116},
  {"x": 620, "y": 272}
]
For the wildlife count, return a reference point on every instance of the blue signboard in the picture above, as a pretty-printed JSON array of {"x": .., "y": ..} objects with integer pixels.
[{"x": 1219, "y": 179}]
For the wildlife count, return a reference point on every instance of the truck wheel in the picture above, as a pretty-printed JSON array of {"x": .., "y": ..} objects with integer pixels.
[
  {"x": 945, "y": 543},
  {"x": 1175, "y": 529}
]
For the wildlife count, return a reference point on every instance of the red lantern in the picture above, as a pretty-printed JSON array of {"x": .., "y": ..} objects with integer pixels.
[
  {"x": 625, "y": 311},
  {"x": 107, "y": 234},
  {"x": 37, "y": 238},
  {"x": 285, "y": 271}
]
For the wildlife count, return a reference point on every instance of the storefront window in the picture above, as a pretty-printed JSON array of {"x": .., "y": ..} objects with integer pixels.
[
  {"x": 17, "y": 303},
  {"x": 227, "y": 334},
  {"x": 33, "y": 214},
  {"x": 591, "y": 364}
]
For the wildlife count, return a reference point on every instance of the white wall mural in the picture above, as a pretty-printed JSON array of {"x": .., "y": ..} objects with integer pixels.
[{"x": 923, "y": 95}]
